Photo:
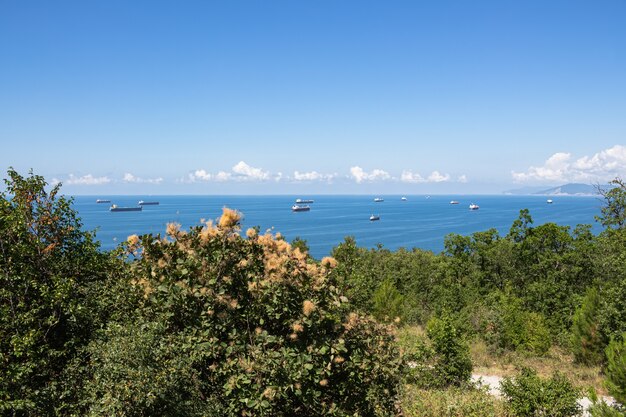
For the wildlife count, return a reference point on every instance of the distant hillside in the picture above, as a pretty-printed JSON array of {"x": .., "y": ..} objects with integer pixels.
[
  {"x": 570, "y": 189},
  {"x": 566, "y": 189}
]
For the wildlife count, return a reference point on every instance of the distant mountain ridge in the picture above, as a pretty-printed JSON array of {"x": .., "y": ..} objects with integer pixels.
[
  {"x": 570, "y": 189},
  {"x": 565, "y": 189}
]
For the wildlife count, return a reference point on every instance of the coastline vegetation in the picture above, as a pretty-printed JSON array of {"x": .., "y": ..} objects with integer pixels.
[{"x": 214, "y": 321}]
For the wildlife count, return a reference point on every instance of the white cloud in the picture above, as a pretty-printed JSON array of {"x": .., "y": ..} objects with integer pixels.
[
  {"x": 602, "y": 166},
  {"x": 87, "y": 180},
  {"x": 415, "y": 178},
  {"x": 222, "y": 176},
  {"x": 247, "y": 172},
  {"x": 130, "y": 178},
  {"x": 203, "y": 175},
  {"x": 409, "y": 176},
  {"x": 199, "y": 175},
  {"x": 312, "y": 176},
  {"x": 462, "y": 179},
  {"x": 435, "y": 176},
  {"x": 240, "y": 172},
  {"x": 359, "y": 175}
]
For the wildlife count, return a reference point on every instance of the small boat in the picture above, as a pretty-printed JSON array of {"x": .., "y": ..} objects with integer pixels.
[
  {"x": 403, "y": 199},
  {"x": 148, "y": 203},
  {"x": 116, "y": 208},
  {"x": 454, "y": 202},
  {"x": 301, "y": 201},
  {"x": 549, "y": 201},
  {"x": 474, "y": 206},
  {"x": 102, "y": 201},
  {"x": 374, "y": 217},
  {"x": 378, "y": 200},
  {"x": 297, "y": 207}
]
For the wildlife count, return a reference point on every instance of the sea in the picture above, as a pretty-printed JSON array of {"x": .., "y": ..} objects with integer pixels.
[{"x": 419, "y": 222}]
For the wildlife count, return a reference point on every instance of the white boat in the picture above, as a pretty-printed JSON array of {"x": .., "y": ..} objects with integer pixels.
[
  {"x": 297, "y": 207},
  {"x": 454, "y": 202},
  {"x": 374, "y": 217},
  {"x": 148, "y": 203},
  {"x": 403, "y": 199},
  {"x": 116, "y": 208},
  {"x": 549, "y": 201},
  {"x": 474, "y": 206},
  {"x": 102, "y": 201},
  {"x": 301, "y": 201},
  {"x": 378, "y": 200}
]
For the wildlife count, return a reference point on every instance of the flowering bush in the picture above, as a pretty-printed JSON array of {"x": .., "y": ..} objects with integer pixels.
[{"x": 253, "y": 326}]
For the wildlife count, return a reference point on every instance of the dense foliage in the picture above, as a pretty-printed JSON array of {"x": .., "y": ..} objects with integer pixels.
[
  {"x": 199, "y": 322},
  {"x": 526, "y": 290},
  {"x": 51, "y": 274},
  {"x": 250, "y": 324},
  {"x": 210, "y": 321}
]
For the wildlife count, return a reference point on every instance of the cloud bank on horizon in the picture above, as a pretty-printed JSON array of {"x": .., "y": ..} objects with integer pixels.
[{"x": 561, "y": 167}]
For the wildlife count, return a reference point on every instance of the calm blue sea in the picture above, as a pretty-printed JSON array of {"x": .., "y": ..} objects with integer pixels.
[{"x": 418, "y": 222}]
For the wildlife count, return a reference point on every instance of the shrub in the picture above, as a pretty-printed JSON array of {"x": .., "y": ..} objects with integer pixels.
[
  {"x": 156, "y": 367},
  {"x": 418, "y": 352},
  {"x": 251, "y": 324},
  {"x": 600, "y": 408},
  {"x": 528, "y": 395},
  {"x": 510, "y": 326},
  {"x": 453, "y": 365}
]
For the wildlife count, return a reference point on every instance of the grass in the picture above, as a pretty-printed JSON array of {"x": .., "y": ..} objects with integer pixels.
[
  {"x": 557, "y": 359},
  {"x": 450, "y": 402},
  {"x": 508, "y": 363},
  {"x": 470, "y": 402}
]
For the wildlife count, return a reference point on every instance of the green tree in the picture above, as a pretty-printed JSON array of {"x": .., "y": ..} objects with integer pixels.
[
  {"x": 387, "y": 301},
  {"x": 50, "y": 275},
  {"x": 587, "y": 341},
  {"x": 616, "y": 368},
  {"x": 614, "y": 209}
]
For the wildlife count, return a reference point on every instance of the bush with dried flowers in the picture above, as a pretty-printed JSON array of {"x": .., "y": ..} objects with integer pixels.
[{"x": 248, "y": 323}]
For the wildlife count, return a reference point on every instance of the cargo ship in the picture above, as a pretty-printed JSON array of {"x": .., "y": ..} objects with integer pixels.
[
  {"x": 116, "y": 208},
  {"x": 297, "y": 207}
]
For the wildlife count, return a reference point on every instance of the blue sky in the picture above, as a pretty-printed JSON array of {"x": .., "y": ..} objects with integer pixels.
[{"x": 313, "y": 97}]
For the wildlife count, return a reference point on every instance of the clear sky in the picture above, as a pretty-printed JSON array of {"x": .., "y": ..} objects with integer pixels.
[{"x": 313, "y": 96}]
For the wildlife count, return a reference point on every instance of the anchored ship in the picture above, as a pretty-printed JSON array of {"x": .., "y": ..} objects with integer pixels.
[
  {"x": 116, "y": 208},
  {"x": 297, "y": 207}
]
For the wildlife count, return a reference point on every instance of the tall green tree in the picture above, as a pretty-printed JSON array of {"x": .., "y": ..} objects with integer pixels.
[
  {"x": 616, "y": 368},
  {"x": 587, "y": 341},
  {"x": 614, "y": 209},
  {"x": 49, "y": 271}
]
